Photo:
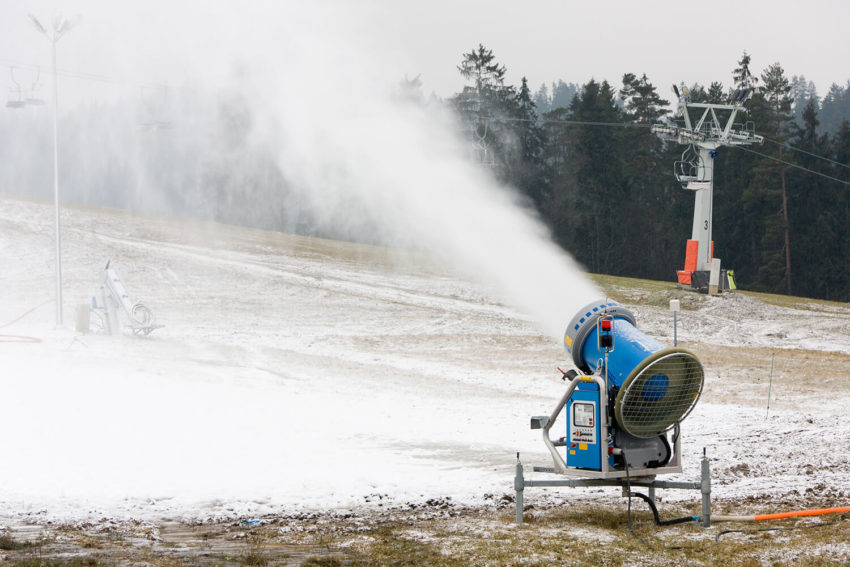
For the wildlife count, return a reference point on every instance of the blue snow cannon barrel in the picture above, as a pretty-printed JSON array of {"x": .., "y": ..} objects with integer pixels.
[{"x": 654, "y": 387}]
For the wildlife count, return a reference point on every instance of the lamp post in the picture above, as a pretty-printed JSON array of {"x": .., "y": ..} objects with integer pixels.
[{"x": 61, "y": 26}]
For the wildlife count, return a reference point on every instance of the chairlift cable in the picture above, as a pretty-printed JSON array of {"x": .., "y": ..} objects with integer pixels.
[
  {"x": 84, "y": 75},
  {"x": 578, "y": 122},
  {"x": 789, "y": 164},
  {"x": 790, "y": 147}
]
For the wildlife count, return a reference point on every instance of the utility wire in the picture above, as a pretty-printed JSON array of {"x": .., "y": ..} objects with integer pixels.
[{"x": 789, "y": 164}]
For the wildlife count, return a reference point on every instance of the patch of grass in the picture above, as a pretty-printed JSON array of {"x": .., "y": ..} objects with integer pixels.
[
  {"x": 321, "y": 561},
  {"x": 647, "y": 292},
  {"x": 255, "y": 558},
  {"x": 8, "y": 543},
  {"x": 72, "y": 562},
  {"x": 83, "y": 562}
]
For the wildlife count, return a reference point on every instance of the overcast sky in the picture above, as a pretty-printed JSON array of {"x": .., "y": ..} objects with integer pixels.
[{"x": 670, "y": 41}]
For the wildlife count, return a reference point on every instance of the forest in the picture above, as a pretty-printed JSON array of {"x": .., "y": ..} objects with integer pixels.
[{"x": 588, "y": 164}]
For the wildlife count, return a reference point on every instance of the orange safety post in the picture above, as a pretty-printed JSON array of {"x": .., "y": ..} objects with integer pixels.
[{"x": 691, "y": 255}]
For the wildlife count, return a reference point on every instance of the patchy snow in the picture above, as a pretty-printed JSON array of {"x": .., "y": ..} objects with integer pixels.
[{"x": 297, "y": 374}]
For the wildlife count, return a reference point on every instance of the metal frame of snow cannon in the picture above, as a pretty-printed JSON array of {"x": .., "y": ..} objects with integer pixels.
[
  {"x": 114, "y": 298},
  {"x": 636, "y": 372},
  {"x": 545, "y": 423}
]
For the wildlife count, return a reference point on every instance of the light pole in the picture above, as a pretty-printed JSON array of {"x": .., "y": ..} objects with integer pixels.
[{"x": 61, "y": 26}]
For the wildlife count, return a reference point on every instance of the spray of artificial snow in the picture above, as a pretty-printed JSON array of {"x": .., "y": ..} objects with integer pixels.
[
  {"x": 298, "y": 90},
  {"x": 352, "y": 147}
]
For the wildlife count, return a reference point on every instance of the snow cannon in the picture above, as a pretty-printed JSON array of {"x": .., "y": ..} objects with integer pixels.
[
  {"x": 628, "y": 392},
  {"x": 655, "y": 386}
]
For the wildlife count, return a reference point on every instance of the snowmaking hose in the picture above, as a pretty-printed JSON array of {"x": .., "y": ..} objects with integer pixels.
[
  {"x": 658, "y": 521},
  {"x": 21, "y": 338},
  {"x": 780, "y": 515}
]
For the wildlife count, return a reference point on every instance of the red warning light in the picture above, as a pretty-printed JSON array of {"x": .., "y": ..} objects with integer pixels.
[{"x": 605, "y": 324}]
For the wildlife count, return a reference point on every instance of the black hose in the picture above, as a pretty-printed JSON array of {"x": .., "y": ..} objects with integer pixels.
[
  {"x": 790, "y": 528},
  {"x": 658, "y": 521},
  {"x": 629, "y": 512},
  {"x": 649, "y": 501}
]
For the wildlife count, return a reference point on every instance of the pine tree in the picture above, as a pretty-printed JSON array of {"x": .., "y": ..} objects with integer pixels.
[
  {"x": 483, "y": 105},
  {"x": 716, "y": 94},
  {"x": 563, "y": 93},
  {"x": 835, "y": 107},
  {"x": 777, "y": 101},
  {"x": 527, "y": 168},
  {"x": 642, "y": 103},
  {"x": 598, "y": 184},
  {"x": 480, "y": 66},
  {"x": 542, "y": 100},
  {"x": 802, "y": 91},
  {"x": 742, "y": 78},
  {"x": 818, "y": 222},
  {"x": 646, "y": 169}
]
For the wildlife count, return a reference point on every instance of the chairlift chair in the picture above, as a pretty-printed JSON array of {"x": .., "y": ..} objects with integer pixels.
[
  {"x": 18, "y": 102},
  {"x": 33, "y": 99}
]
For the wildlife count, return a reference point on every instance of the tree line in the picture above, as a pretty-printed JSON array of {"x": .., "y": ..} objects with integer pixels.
[
  {"x": 582, "y": 156},
  {"x": 594, "y": 172}
]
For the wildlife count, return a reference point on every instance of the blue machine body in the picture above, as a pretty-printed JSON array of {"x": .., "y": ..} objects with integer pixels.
[
  {"x": 632, "y": 348},
  {"x": 583, "y": 428},
  {"x": 650, "y": 387}
]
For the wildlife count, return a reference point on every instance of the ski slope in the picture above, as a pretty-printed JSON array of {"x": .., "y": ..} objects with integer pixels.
[{"x": 297, "y": 374}]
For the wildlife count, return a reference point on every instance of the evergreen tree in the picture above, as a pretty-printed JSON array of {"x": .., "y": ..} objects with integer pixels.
[
  {"x": 742, "y": 77},
  {"x": 480, "y": 67},
  {"x": 563, "y": 93},
  {"x": 646, "y": 171},
  {"x": 503, "y": 123},
  {"x": 410, "y": 90},
  {"x": 526, "y": 170},
  {"x": 816, "y": 222},
  {"x": 542, "y": 100},
  {"x": 772, "y": 110},
  {"x": 835, "y": 108},
  {"x": 599, "y": 192},
  {"x": 483, "y": 106},
  {"x": 802, "y": 91},
  {"x": 716, "y": 94},
  {"x": 641, "y": 100}
]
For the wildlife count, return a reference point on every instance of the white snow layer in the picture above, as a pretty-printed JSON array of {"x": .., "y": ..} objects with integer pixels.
[{"x": 297, "y": 374}]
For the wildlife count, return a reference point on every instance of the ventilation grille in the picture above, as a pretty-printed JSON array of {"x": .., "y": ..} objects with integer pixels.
[{"x": 659, "y": 393}]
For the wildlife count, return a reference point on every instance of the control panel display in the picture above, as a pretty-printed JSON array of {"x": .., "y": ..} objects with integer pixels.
[{"x": 583, "y": 428}]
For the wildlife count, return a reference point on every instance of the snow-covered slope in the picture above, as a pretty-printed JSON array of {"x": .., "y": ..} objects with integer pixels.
[{"x": 295, "y": 373}]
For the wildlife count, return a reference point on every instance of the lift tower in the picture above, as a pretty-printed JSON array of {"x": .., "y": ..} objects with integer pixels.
[{"x": 696, "y": 168}]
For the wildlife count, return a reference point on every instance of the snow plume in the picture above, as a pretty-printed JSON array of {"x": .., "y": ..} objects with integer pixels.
[
  {"x": 361, "y": 155},
  {"x": 308, "y": 98}
]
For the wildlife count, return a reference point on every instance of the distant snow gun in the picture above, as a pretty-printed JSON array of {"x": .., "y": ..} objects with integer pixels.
[
  {"x": 627, "y": 393},
  {"x": 111, "y": 299}
]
